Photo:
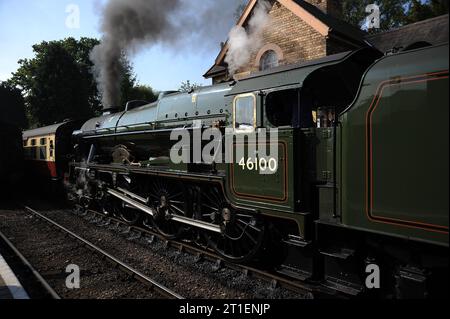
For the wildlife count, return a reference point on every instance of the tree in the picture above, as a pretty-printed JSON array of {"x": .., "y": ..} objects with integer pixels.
[
  {"x": 143, "y": 92},
  {"x": 53, "y": 85},
  {"x": 392, "y": 12},
  {"x": 439, "y": 7},
  {"x": 418, "y": 10},
  {"x": 58, "y": 82},
  {"x": 188, "y": 86},
  {"x": 12, "y": 105},
  {"x": 128, "y": 82}
]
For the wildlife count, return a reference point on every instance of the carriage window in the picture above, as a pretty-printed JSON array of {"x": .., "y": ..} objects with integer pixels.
[
  {"x": 244, "y": 112},
  {"x": 42, "y": 152},
  {"x": 52, "y": 147}
]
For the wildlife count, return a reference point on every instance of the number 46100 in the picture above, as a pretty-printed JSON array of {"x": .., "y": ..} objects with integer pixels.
[{"x": 259, "y": 164}]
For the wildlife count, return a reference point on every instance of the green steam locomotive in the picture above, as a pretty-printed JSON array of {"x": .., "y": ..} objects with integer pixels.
[{"x": 359, "y": 180}]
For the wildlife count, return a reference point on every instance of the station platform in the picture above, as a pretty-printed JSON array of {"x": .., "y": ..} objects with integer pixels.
[{"x": 10, "y": 286}]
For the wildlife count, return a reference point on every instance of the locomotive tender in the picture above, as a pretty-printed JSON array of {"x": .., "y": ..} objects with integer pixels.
[{"x": 361, "y": 176}]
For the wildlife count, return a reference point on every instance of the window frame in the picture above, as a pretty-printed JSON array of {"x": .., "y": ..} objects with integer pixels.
[
  {"x": 266, "y": 121},
  {"x": 236, "y": 98},
  {"x": 264, "y": 59}
]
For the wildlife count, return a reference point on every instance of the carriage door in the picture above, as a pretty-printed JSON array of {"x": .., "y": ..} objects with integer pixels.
[{"x": 254, "y": 176}]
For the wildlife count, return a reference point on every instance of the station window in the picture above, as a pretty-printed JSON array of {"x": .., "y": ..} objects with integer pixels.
[
  {"x": 269, "y": 60},
  {"x": 43, "y": 141},
  {"x": 244, "y": 112},
  {"x": 33, "y": 142}
]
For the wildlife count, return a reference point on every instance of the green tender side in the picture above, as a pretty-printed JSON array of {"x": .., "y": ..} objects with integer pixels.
[{"x": 394, "y": 148}]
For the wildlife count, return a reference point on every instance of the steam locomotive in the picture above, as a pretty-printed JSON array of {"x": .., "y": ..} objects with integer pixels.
[{"x": 361, "y": 176}]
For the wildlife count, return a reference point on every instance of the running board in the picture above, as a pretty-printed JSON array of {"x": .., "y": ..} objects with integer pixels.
[{"x": 125, "y": 197}]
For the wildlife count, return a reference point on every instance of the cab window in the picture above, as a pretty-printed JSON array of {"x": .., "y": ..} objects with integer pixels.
[
  {"x": 283, "y": 109},
  {"x": 244, "y": 112}
]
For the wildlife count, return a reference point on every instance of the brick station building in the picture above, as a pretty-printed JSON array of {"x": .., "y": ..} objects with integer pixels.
[{"x": 303, "y": 30}]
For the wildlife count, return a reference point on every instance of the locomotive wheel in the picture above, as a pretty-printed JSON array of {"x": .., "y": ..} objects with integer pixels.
[
  {"x": 111, "y": 206},
  {"x": 168, "y": 198},
  {"x": 243, "y": 233},
  {"x": 130, "y": 216}
]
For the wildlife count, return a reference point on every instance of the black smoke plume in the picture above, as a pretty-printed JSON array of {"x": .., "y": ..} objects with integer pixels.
[{"x": 129, "y": 25}]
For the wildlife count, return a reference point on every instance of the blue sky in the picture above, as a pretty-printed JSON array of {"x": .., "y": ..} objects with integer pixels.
[{"x": 26, "y": 22}]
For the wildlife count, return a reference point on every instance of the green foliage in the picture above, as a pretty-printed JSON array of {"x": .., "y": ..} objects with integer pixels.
[
  {"x": 142, "y": 92},
  {"x": 58, "y": 82},
  {"x": 128, "y": 82},
  {"x": 418, "y": 11},
  {"x": 12, "y": 106},
  {"x": 394, "y": 13},
  {"x": 188, "y": 86}
]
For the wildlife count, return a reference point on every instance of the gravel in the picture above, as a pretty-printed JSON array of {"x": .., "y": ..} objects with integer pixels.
[
  {"x": 50, "y": 252},
  {"x": 181, "y": 272}
]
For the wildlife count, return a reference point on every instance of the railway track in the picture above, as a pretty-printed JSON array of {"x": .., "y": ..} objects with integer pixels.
[
  {"x": 161, "y": 289},
  {"x": 34, "y": 283},
  {"x": 190, "y": 275},
  {"x": 309, "y": 291}
]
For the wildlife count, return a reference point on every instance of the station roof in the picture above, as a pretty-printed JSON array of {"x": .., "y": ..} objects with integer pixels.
[{"x": 433, "y": 31}]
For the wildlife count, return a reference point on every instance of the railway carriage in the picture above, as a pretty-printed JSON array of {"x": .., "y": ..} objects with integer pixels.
[
  {"x": 360, "y": 177},
  {"x": 48, "y": 151}
]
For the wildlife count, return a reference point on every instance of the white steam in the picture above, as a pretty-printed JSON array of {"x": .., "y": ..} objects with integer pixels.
[{"x": 242, "y": 42}]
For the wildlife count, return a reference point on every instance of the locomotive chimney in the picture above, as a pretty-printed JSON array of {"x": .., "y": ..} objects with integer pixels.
[{"x": 111, "y": 109}]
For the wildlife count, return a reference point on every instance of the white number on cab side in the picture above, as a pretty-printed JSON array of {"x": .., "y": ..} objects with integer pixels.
[{"x": 261, "y": 164}]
